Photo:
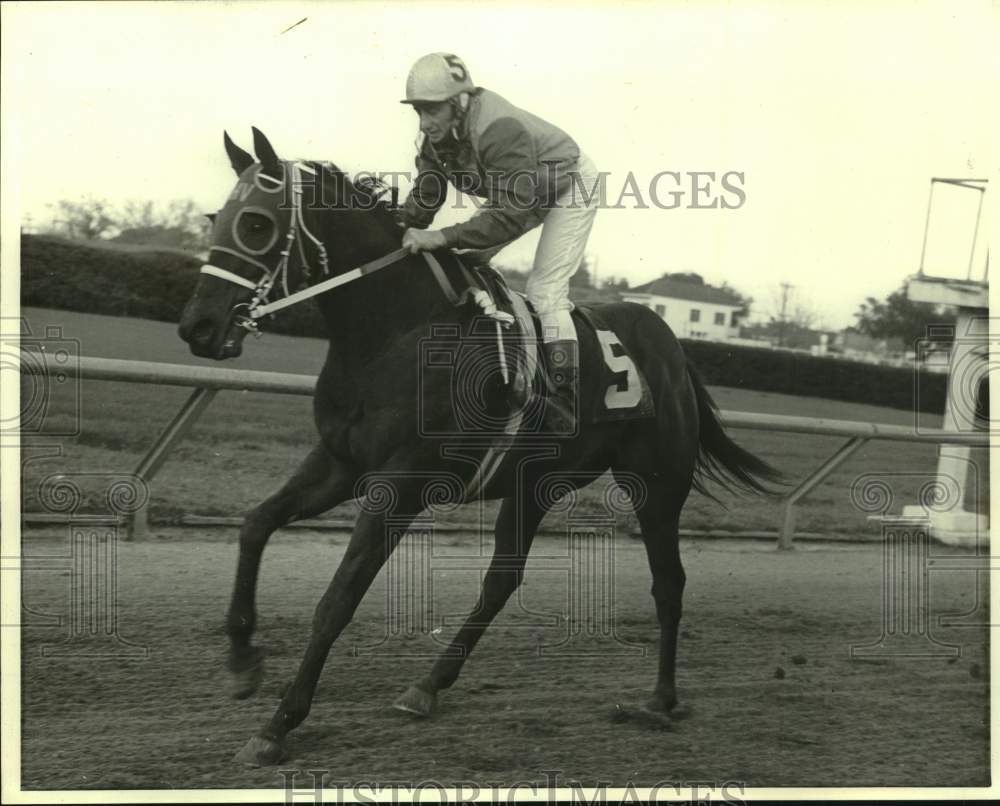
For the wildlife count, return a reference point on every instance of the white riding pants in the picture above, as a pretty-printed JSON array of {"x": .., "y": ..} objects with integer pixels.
[{"x": 560, "y": 250}]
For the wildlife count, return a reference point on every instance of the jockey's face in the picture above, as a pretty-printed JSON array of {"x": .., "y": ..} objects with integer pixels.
[{"x": 436, "y": 119}]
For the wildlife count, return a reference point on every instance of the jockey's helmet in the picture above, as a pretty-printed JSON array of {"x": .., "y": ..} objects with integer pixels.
[{"x": 437, "y": 77}]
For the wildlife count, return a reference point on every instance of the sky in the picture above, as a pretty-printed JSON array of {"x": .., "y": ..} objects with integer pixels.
[{"x": 836, "y": 115}]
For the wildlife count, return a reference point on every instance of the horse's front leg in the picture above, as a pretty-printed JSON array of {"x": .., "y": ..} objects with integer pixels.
[
  {"x": 320, "y": 483},
  {"x": 373, "y": 540}
]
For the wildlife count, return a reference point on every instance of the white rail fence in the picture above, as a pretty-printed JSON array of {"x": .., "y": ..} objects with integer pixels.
[{"x": 206, "y": 382}]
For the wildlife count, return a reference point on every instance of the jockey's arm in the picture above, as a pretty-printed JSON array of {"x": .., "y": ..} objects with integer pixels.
[
  {"x": 508, "y": 156},
  {"x": 429, "y": 191}
]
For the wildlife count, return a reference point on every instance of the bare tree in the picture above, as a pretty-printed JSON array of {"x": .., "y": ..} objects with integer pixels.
[
  {"x": 803, "y": 314},
  {"x": 790, "y": 312},
  {"x": 88, "y": 219},
  {"x": 138, "y": 214},
  {"x": 178, "y": 224}
]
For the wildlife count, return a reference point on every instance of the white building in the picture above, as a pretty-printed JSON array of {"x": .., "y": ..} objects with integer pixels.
[{"x": 693, "y": 310}]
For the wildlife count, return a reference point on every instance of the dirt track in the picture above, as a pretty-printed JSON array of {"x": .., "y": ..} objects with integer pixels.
[{"x": 764, "y": 664}]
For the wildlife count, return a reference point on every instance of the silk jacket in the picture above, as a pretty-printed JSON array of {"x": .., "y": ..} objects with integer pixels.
[{"x": 514, "y": 160}]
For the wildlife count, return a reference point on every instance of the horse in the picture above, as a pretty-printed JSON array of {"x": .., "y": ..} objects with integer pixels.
[{"x": 285, "y": 223}]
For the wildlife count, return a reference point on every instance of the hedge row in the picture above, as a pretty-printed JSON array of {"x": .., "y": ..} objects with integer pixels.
[
  {"x": 64, "y": 274},
  {"x": 156, "y": 283},
  {"x": 126, "y": 281},
  {"x": 767, "y": 370}
]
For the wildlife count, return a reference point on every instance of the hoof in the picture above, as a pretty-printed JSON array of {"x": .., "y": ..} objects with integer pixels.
[
  {"x": 261, "y": 752},
  {"x": 244, "y": 684},
  {"x": 655, "y": 720},
  {"x": 416, "y": 701},
  {"x": 680, "y": 712},
  {"x": 667, "y": 705},
  {"x": 644, "y": 717},
  {"x": 245, "y": 681}
]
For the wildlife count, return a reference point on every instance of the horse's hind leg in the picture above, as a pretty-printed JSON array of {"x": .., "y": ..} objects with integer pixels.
[
  {"x": 659, "y": 518},
  {"x": 516, "y": 524},
  {"x": 320, "y": 483}
]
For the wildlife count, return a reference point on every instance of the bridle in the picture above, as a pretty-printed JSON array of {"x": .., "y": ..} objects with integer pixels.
[{"x": 259, "y": 305}]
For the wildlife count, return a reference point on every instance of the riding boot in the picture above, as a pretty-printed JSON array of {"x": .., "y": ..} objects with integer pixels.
[
  {"x": 517, "y": 391},
  {"x": 563, "y": 364}
]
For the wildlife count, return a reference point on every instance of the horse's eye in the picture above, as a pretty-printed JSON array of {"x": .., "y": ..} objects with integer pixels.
[{"x": 255, "y": 232}]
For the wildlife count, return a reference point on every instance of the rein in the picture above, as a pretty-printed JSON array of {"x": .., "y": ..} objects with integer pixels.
[{"x": 347, "y": 277}]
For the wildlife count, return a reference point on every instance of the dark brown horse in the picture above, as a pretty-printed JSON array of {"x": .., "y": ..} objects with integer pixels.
[{"x": 292, "y": 224}]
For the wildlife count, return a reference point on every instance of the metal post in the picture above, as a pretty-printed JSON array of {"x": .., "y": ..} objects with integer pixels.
[
  {"x": 975, "y": 232},
  {"x": 157, "y": 454},
  {"x": 138, "y": 524},
  {"x": 927, "y": 226},
  {"x": 786, "y": 536}
]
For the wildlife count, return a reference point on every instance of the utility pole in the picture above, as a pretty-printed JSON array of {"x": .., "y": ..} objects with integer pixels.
[{"x": 785, "y": 288}]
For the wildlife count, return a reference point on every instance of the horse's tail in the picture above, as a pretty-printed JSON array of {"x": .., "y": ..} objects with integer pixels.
[{"x": 720, "y": 459}]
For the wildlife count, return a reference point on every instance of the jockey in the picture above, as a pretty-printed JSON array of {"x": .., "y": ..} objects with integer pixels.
[{"x": 529, "y": 172}]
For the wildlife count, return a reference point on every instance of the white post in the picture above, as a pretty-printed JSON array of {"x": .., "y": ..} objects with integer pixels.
[{"x": 962, "y": 470}]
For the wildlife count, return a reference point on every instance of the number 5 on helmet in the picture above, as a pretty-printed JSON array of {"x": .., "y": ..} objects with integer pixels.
[{"x": 437, "y": 77}]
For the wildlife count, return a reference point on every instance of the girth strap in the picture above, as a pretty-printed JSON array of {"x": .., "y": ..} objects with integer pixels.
[{"x": 442, "y": 278}]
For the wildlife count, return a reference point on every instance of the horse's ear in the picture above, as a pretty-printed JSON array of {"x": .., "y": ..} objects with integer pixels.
[
  {"x": 265, "y": 153},
  {"x": 238, "y": 158}
]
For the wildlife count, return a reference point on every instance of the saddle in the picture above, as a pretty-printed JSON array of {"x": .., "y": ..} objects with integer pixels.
[{"x": 514, "y": 312}]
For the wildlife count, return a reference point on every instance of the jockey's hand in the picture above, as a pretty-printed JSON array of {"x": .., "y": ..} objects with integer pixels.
[{"x": 419, "y": 240}]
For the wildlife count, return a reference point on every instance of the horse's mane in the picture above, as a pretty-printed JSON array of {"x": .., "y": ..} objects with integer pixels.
[{"x": 377, "y": 195}]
